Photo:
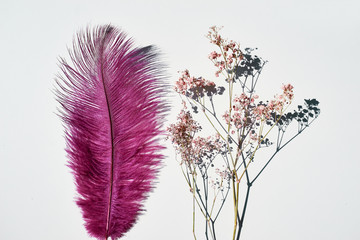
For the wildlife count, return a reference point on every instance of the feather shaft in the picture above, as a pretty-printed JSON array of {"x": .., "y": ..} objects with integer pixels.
[
  {"x": 112, "y": 160},
  {"x": 112, "y": 142}
]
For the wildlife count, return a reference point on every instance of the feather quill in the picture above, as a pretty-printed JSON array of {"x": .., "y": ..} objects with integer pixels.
[{"x": 112, "y": 104}]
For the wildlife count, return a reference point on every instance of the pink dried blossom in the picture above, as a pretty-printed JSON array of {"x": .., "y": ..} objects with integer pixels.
[
  {"x": 213, "y": 55},
  {"x": 187, "y": 82},
  {"x": 226, "y": 116},
  {"x": 288, "y": 91},
  {"x": 224, "y": 174},
  {"x": 182, "y": 134},
  {"x": 230, "y": 58}
]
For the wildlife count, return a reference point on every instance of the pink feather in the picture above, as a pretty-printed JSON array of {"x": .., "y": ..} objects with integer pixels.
[{"x": 113, "y": 108}]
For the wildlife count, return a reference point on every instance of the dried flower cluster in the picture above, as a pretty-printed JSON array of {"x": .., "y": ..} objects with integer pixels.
[
  {"x": 186, "y": 82},
  {"x": 191, "y": 149},
  {"x": 230, "y": 54}
]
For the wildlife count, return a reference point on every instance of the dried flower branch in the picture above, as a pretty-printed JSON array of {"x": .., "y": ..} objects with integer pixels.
[{"x": 215, "y": 165}]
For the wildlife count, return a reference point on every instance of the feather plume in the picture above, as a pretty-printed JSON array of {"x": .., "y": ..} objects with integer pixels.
[{"x": 112, "y": 104}]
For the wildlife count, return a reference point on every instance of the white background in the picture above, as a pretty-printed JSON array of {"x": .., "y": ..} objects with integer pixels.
[{"x": 310, "y": 191}]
